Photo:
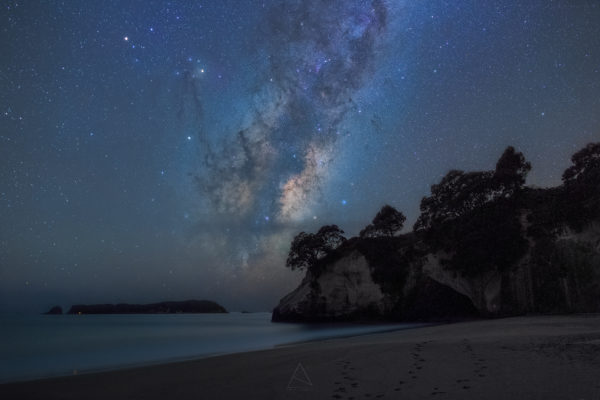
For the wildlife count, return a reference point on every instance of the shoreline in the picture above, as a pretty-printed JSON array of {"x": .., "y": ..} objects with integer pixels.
[
  {"x": 336, "y": 326},
  {"x": 549, "y": 357}
]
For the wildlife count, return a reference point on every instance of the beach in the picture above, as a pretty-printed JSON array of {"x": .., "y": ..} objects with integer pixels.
[{"x": 531, "y": 357}]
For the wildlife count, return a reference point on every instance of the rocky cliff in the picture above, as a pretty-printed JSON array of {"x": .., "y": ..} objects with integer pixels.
[
  {"x": 558, "y": 274},
  {"x": 343, "y": 290},
  {"x": 484, "y": 245}
]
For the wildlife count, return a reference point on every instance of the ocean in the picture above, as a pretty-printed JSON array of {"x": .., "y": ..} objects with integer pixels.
[{"x": 40, "y": 346}]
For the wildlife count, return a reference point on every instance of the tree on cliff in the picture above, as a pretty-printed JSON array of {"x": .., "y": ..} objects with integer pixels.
[
  {"x": 511, "y": 170},
  {"x": 474, "y": 216},
  {"x": 580, "y": 198},
  {"x": 586, "y": 165},
  {"x": 387, "y": 222},
  {"x": 308, "y": 248},
  {"x": 459, "y": 192}
]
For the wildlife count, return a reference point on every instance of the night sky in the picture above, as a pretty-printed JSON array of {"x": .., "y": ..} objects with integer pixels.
[{"x": 170, "y": 150}]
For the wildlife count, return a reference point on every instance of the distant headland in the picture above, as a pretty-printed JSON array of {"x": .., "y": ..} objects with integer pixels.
[{"x": 165, "y": 307}]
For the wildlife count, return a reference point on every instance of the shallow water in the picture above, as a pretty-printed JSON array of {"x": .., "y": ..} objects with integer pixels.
[{"x": 36, "y": 346}]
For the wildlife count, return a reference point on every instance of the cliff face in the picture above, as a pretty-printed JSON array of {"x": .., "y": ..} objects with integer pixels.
[
  {"x": 484, "y": 290},
  {"x": 558, "y": 273},
  {"x": 484, "y": 244},
  {"x": 357, "y": 286},
  {"x": 344, "y": 290}
]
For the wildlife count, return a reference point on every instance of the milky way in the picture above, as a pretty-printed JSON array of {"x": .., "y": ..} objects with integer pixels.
[
  {"x": 319, "y": 54},
  {"x": 156, "y": 150}
]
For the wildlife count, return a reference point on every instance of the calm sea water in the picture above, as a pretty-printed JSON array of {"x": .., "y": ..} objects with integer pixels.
[{"x": 35, "y": 346}]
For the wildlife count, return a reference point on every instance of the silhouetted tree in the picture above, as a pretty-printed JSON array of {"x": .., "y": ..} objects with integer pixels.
[
  {"x": 457, "y": 193},
  {"x": 330, "y": 237},
  {"x": 580, "y": 202},
  {"x": 302, "y": 251},
  {"x": 308, "y": 248},
  {"x": 387, "y": 222},
  {"x": 511, "y": 169},
  {"x": 461, "y": 192},
  {"x": 474, "y": 216},
  {"x": 586, "y": 164}
]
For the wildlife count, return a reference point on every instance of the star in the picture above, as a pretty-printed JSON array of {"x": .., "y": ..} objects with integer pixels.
[{"x": 314, "y": 112}]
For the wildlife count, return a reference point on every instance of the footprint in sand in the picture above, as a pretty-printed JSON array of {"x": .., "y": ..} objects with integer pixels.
[
  {"x": 346, "y": 379},
  {"x": 419, "y": 360},
  {"x": 478, "y": 361}
]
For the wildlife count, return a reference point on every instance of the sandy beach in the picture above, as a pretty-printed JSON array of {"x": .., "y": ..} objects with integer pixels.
[{"x": 539, "y": 357}]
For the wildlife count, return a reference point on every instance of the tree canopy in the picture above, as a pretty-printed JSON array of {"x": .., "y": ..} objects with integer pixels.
[
  {"x": 461, "y": 192},
  {"x": 308, "y": 248},
  {"x": 511, "y": 169},
  {"x": 387, "y": 222},
  {"x": 475, "y": 218},
  {"x": 586, "y": 165},
  {"x": 580, "y": 199}
]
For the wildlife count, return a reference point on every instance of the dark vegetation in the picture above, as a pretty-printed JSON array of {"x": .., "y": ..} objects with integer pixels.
[
  {"x": 480, "y": 222},
  {"x": 166, "y": 307},
  {"x": 307, "y": 249}
]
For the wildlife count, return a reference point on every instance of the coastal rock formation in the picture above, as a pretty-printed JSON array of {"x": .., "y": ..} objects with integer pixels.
[
  {"x": 484, "y": 245},
  {"x": 344, "y": 290},
  {"x": 167, "y": 307},
  {"x": 362, "y": 286},
  {"x": 558, "y": 274},
  {"x": 56, "y": 310}
]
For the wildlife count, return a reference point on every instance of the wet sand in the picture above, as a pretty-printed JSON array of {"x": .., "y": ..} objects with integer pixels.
[{"x": 538, "y": 357}]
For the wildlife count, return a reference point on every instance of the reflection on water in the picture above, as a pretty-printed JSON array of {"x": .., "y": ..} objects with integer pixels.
[{"x": 34, "y": 346}]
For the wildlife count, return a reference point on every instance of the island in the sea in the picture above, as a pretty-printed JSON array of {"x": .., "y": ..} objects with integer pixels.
[{"x": 165, "y": 307}]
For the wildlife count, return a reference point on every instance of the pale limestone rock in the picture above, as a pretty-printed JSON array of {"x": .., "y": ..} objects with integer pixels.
[{"x": 344, "y": 288}]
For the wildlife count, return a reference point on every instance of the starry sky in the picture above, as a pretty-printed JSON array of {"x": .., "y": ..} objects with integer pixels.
[{"x": 156, "y": 150}]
